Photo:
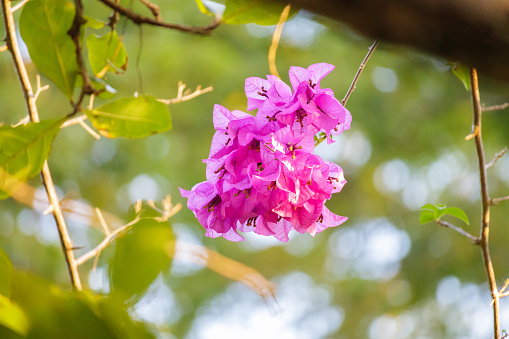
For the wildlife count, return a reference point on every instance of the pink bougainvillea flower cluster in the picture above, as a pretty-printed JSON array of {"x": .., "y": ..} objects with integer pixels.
[{"x": 262, "y": 175}]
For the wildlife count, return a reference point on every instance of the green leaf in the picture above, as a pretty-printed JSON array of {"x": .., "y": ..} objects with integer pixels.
[
  {"x": 426, "y": 216},
  {"x": 458, "y": 213},
  {"x": 43, "y": 26},
  {"x": 211, "y": 8},
  {"x": 254, "y": 11},
  {"x": 94, "y": 23},
  {"x": 23, "y": 150},
  {"x": 461, "y": 72},
  {"x": 140, "y": 255},
  {"x": 6, "y": 274},
  {"x": 131, "y": 117},
  {"x": 12, "y": 317},
  {"x": 106, "y": 53}
]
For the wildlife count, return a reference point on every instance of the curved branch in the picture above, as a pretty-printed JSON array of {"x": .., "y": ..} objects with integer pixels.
[{"x": 139, "y": 19}]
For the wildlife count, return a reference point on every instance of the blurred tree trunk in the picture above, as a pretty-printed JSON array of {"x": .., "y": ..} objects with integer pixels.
[{"x": 475, "y": 32}]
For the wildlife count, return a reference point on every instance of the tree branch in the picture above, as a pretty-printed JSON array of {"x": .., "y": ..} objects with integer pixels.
[
  {"x": 139, "y": 19},
  {"x": 496, "y": 157},
  {"x": 495, "y": 107},
  {"x": 65, "y": 240},
  {"x": 153, "y": 8},
  {"x": 359, "y": 71},
  {"x": 485, "y": 227},
  {"x": 181, "y": 96},
  {"x": 495, "y": 201},
  {"x": 461, "y": 231}
]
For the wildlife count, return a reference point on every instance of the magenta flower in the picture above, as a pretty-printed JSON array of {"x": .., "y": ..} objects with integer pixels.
[{"x": 262, "y": 175}]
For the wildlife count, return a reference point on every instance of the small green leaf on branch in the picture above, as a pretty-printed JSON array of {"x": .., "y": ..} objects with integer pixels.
[
  {"x": 23, "y": 150},
  {"x": 433, "y": 212},
  {"x": 211, "y": 8},
  {"x": 461, "y": 72},
  {"x": 43, "y": 26},
  {"x": 131, "y": 117},
  {"x": 106, "y": 53}
]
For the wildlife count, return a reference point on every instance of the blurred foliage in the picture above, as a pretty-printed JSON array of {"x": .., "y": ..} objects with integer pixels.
[{"x": 406, "y": 148}]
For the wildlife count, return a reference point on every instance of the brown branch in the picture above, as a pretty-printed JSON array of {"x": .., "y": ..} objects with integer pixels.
[
  {"x": 495, "y": 107},
  {"x": 153, "y": 8},
  {"x": 75, "y": 32},
  {"x": 65, "y": 240},
  {"x": 359, "y": 71},
  {"x": 496, "y": 157},
  {"x": 495, "y": 201},
  {"x": 139, "y": 19},
  {"x": 485, "y": 227},
  {"x": 461, "y": 231},
  {"x": 181, "y": 96}
]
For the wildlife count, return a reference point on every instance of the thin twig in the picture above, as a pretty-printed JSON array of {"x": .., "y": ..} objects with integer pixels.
[
  {"x": 65, "y": 240},
  {"x": 39, "y": 88},
  {"x": 496, "y": 107},
  {"x": 106, "y": 241},
  {"x": 485, "y": 227},
  {"x": 19, "y": 5},
  {"x": 3, "y": 48},
  {"x": 180, "y": 97},
  {"x": 73, "y": 121},
  {"x": 139, "y": 19},
  {"x": 505, "y": 286},
  {"x": 495, "y": 201},
  {"x": 275, "y": 40},
  {"x": 153, "y": 8},
  {"x": 359, "y": 71},
  {"x": 461, "y": 231},
  {"x": 81, "y": 121},
  {"x": 496, "y": 157}
]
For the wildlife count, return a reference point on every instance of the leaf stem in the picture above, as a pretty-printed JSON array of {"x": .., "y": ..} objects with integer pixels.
[
  {"x": 485, "y": 225},
  {"x": 359, "y": 71},
  {"x": 30, "y": 99}
]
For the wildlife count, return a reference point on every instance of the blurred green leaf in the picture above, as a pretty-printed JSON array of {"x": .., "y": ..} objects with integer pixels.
[
  {"x": 23, "y": 150},
  {"x": 211, "y": 8},
  {"x": 106, "y": 53},
  {"x": 94, "y": 23},
  {"x": 12, "y": 317},
  {"x": 461, "y": 72},
  {"x": 116, "y": 314},
  {"x": 140, "y": 255},
  {"x": 131, "y": 117},
  {"x": 43, "y": 26},
  {"x": 426, "y": 216},
  {"x": 53, "y": 313},
  {"x": 254, "y": 11},
  {"x": 458, "y": 213},
  {"x": 6, "y": 274}
]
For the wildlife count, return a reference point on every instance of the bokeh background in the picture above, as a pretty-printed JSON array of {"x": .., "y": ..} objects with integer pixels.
[{"x": 379, "y": 275}]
